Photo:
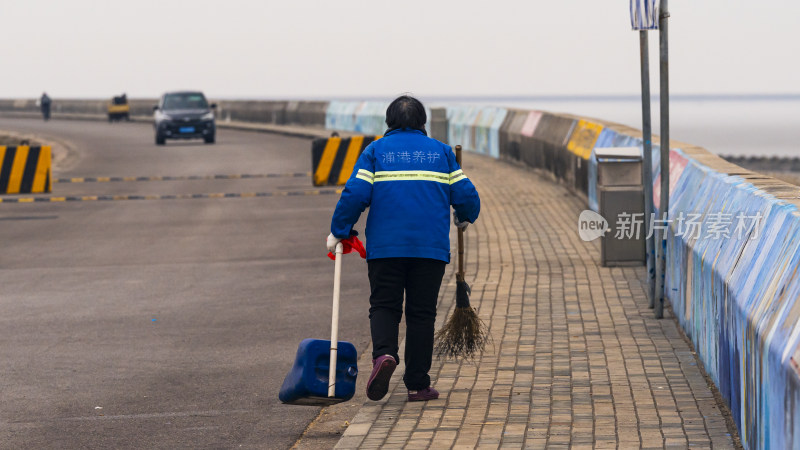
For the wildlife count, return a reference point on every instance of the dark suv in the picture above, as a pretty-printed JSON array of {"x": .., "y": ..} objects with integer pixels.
[{"x": 184, "y": 115}]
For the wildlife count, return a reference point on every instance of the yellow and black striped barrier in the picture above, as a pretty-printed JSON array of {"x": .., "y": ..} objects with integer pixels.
[
  {"x": 333, "y": 159},
  {"x": 25, "y": 169}
]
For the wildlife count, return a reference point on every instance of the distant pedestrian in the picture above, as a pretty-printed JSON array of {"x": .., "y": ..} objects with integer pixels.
[
  {"x": 44, "y": 103},
  {"x": 409, "y": 181}
]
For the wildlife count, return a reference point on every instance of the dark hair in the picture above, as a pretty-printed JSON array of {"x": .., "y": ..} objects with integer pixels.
[{"x": 406, "y": 112}]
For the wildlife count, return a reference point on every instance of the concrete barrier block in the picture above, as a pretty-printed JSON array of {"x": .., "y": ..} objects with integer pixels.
[
  {"x": 258, "y": 111},
  {"x": 498, "y": 118},
  {"x": 530, "y": 124},
  {"x": 142, "y": 108},
  {"x": 550, "y": 145},
  {"x": 79, "y": 106},
  {"x": 510, "y": 137},
  {"x": 333, "y": 159},
  {"x": 583, "y": 138},
  {"x": 25, "y": 169},
  {"x": 370, "y": 118},
  {"x": 438, "y": 124},
  {"x": 18, "y": 105},
  {"x": 307, "y": 113}
]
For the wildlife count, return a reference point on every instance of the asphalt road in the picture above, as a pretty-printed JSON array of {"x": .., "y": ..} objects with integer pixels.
[{"x": 165, "y": 323}]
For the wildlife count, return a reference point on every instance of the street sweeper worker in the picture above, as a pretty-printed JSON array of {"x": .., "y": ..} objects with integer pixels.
[{"x": 409, "y": 181}]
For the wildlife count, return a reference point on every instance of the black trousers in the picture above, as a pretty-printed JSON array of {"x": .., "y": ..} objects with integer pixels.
[{"x": 421, "y": 279}]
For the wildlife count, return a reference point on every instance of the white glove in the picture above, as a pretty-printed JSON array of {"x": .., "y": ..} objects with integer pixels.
[
  {"x": 462, "y": 225},
  {"x": 331, "y": 243}
]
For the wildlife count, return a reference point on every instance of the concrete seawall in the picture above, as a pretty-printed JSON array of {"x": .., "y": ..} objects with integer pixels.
[
  {"x": 305, "y": 113},
  {"x": 737, "y": 298}
]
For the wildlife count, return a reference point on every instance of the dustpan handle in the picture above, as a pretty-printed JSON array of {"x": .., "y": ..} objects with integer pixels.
[{"x": 337, "y": 282}]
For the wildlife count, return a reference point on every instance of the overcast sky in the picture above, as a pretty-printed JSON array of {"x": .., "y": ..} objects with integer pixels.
[{"x": 377, "y": 48}]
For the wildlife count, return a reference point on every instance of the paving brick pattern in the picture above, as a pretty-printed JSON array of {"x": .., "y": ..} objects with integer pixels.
[{"x": 577, "y": 359}]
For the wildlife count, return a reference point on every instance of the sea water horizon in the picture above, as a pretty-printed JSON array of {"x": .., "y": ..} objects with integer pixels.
[{"x": 735, "y": 125}]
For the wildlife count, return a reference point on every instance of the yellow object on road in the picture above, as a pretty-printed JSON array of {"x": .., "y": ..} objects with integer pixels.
[{"x": 119, "y": 109}]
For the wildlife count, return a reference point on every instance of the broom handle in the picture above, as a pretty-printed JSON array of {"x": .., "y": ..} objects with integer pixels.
[
  {"x": 460, "y": 230},
  {"x": 337, "y": 278},
  {"x": 461, "y": 253}
]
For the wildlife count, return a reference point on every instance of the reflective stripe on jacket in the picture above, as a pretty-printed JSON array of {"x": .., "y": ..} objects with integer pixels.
[{"x": 409, "y": 182}]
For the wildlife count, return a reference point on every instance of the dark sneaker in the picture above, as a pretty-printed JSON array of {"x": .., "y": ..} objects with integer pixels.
[
  {"x": 423, "y": 395},
  {"x": 382, "y": 370}
]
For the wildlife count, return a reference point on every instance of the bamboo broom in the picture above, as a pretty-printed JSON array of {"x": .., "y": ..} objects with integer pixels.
[{"x": 464, "y": 334}]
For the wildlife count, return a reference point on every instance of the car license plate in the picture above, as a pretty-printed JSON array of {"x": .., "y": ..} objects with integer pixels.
[{"x": 186, "y": 130}]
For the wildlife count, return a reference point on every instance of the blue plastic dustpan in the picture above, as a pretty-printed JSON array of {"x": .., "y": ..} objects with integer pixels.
[{"x": 323, "y": 374}]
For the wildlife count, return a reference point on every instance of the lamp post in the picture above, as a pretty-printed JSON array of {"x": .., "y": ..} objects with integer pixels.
[
  {"x": 644, "y": 18},
  {"x": 647, "y": 163},
  {"x": 663, "y": 15}
]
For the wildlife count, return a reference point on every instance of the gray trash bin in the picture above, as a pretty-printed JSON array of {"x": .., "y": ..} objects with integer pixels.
[{"x": 620, "y": 197}]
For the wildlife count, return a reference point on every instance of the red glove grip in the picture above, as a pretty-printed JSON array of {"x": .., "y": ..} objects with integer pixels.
[{"x": 349, "y": 245}]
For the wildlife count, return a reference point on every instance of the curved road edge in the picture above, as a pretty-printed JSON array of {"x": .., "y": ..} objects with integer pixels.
[
  {"x": 65, "y": 153},
  {"x": 286, "y": 130}
]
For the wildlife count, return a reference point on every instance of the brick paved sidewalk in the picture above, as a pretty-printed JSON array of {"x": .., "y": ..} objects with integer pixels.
[{"x": 577, "y": 359}]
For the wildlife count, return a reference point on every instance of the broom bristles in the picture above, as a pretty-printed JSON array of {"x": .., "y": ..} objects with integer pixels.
[{"x": 463, "y": 336}]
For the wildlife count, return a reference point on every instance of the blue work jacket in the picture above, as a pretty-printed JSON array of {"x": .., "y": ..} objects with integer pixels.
[{"x": 408, "y": 181}]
